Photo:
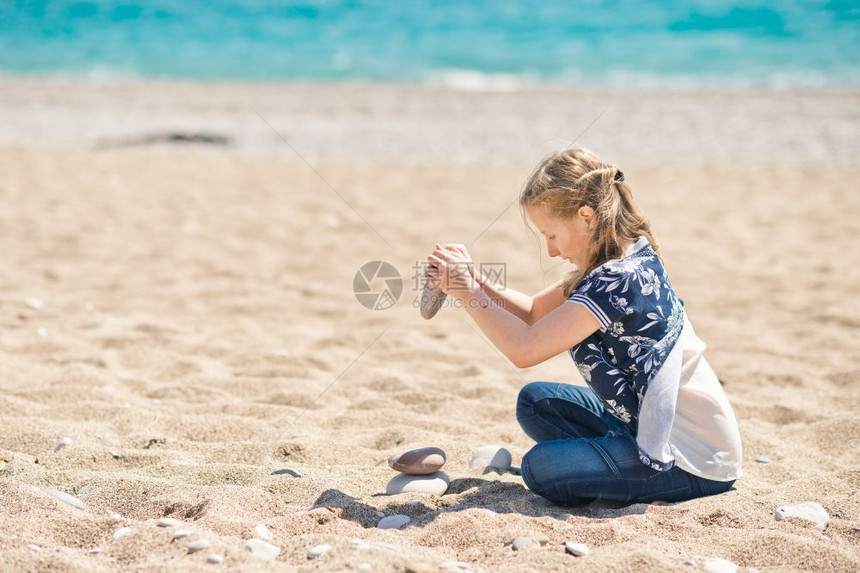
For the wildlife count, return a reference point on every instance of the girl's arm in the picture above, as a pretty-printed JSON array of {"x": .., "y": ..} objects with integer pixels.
[
  {"x": 522, "y": 343},
  {"x": 529, "y": 309}
]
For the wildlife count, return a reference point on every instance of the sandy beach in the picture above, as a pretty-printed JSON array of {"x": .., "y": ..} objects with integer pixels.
[{"x": 184, "y": 313}]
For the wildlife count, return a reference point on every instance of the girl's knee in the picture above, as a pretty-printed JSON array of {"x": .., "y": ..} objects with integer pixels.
[
  {"x": 537, "y": 474},
  {"x": 536, "y": 468},
  {"x": 529, "y": 394},
  {"x": 526, "y": 472}
]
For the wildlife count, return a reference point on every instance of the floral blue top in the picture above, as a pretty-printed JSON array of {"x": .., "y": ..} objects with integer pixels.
[{"x": 641, "y": 319}]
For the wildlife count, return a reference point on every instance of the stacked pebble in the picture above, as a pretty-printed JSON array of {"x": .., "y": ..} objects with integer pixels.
[{"x": 419, "y": 472}]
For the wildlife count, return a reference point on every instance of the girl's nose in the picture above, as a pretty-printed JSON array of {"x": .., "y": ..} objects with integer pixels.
[{"x": 551, "y": 251}]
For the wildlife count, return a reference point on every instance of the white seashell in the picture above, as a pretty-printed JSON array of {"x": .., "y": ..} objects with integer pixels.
[
  {"x": 169, "y": 522},
  {"x": 35, "y": 303},
  {"x": 809, "y": 511},
  {"x": 455, "y": 565},
  {"x": 67, "y": 441},
  {"x": 318, "y": 551},
  {"x": 121, "y": 532},
  {"x": 65, "y": 498},
  {"x": 263, "y": 532},
  {"x": 262, "y": 550},
  {"x": 180, "y": 533},
  {"x": 521, "y": 543},
  {"x": 718, "y": 565},
  {"x": 578, "y": 549},
  {"x": 215, "y": 558},
  {"x": 198, "y": 545}
]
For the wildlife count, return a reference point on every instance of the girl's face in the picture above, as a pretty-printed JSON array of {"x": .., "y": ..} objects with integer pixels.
[{"x": 565, "y": 238}]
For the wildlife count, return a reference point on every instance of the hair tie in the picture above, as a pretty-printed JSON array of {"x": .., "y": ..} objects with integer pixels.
[{"x": 619, "y": 175}]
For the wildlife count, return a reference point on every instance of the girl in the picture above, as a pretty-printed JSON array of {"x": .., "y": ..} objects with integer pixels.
[{"x": 654, "y": 422}]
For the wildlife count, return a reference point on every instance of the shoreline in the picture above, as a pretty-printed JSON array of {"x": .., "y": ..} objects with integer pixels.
[
  {"x": 392, "y": 122},
  {"x": 526, "y": 86}
]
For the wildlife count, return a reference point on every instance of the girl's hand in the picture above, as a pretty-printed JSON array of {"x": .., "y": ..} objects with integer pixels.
[{"x": 452, "y": 269}]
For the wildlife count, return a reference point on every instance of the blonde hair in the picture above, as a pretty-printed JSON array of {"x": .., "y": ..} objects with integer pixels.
[{"x": 571, "y": 178}]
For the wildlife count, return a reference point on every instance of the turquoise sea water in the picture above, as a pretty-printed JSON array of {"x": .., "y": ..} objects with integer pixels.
[{"x": 478, "y": 44}]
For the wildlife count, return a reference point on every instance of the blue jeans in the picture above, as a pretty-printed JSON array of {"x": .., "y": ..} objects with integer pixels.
[{"x": 585, "y": 453}]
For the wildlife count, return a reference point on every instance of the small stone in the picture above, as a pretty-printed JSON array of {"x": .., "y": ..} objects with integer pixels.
[
  {"x": 577, "y": 549},
  {"x": 495, "y": 457},
  {"x": 541, "y": 539},
  {"x": 116, "y": 455},
  {"x": 65, "y": 498},
  {"x": 95, "y": 550},
  {"x": 719, "y": 565},
  {"x": 809, "y": 511},
  {"x": 121, "y": 532},
  {"x": 169, "y": 522},
  {"x": 215, "y": 558},
  {"x": 763, "y": 460},
  {"x": 198, "y": 545},
  {"x": 520, "y": 543},
  {"x": 263, "y": 532},
  {"x": 34, "y": 547},
  {"x": 393, "y": 522},
  {"x": 67, "y": 441},
  {"x": 331, "y": 220},
  {"x": 262, "y": 550},
  {"x": 433, "y": 484},
  {"x": 380, "y": 514},
  {"x": 318, "y": 551},
  {"x": 34, "y": 303},
  {"x": 432, "y": 299},
  {"x": 421, "y": 461},
  {"x": 287, "y": 471},
  {"x": 180, "y": 533},
  {"x": 116, "y": 517}
]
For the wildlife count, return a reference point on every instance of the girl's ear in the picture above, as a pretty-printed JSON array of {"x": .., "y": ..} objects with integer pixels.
[{"x": 586, "y": 212}]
